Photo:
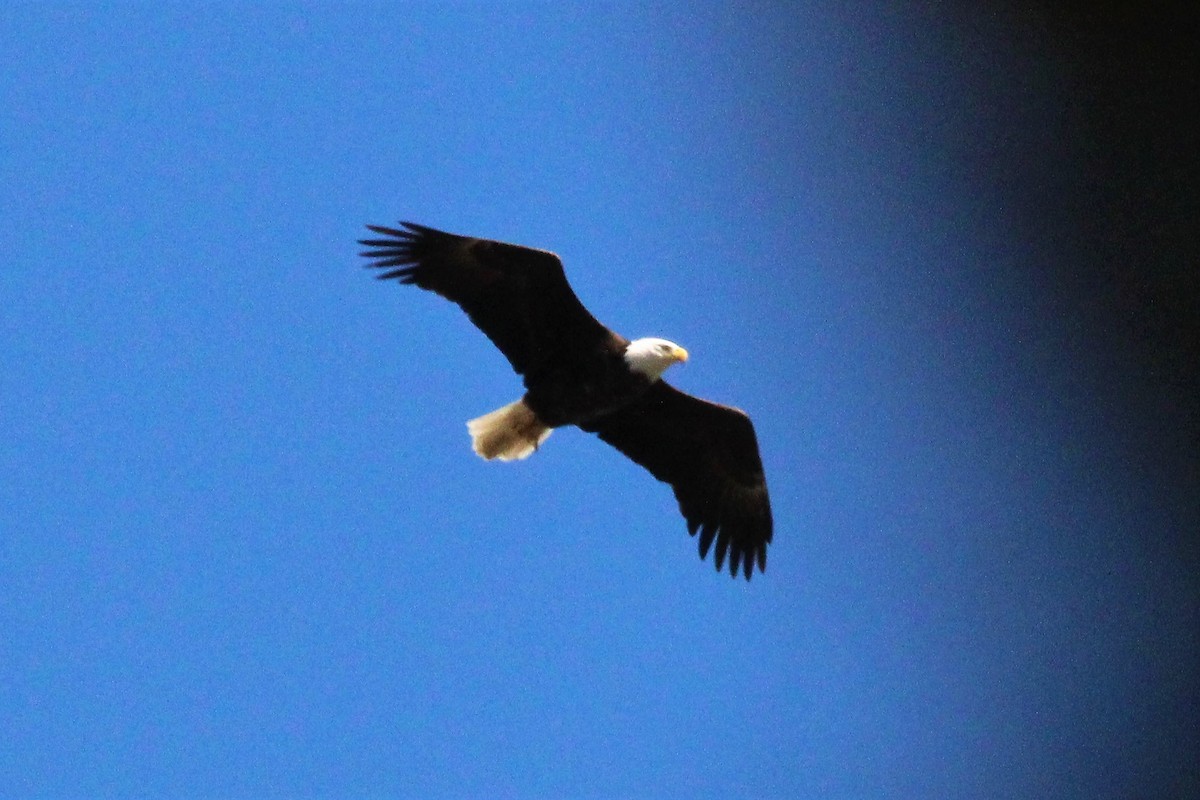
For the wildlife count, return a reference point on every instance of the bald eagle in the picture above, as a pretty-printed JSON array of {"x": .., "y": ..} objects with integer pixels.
[{"x": 578, "y": 372}]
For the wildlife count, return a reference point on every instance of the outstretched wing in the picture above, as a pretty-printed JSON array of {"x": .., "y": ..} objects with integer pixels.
[
  {"x": 709, "y": 455},
  {"x": 516, "y": 295}
]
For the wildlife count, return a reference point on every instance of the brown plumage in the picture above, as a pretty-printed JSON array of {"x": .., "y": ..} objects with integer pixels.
[{"x": 578, "y": 372}]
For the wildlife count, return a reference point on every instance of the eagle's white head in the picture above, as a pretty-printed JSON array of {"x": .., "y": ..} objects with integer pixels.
[{"x": 651, "y": 356}]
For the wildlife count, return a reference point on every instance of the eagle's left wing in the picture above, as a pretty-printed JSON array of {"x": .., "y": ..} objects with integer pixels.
[
  {"x": 516, "y": 295},
  {"x": 709, "y": 455}
]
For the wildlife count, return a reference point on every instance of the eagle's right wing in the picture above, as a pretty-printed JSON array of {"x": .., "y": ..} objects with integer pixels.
[{"x": 709, "y": 454}]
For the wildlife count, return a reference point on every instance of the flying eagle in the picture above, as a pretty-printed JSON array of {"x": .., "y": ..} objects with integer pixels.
[{"x": 578, "y": 372}]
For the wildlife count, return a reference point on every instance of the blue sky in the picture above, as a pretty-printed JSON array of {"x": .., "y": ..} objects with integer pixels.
[{"x": 247, "y": 551}]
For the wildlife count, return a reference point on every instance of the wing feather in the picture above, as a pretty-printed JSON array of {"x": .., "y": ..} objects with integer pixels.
[
  {"x": 518, "y": 296},
  {"x": 709, "y": 455}
]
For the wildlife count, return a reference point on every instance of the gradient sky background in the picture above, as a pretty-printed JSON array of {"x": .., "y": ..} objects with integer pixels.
[{"x": 246, "y": 550}]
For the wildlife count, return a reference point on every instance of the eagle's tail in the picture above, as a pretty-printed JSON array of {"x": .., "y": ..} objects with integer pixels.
[{"x": 509, "y": 434}]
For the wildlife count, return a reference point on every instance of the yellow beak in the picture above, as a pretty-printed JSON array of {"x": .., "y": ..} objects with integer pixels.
[{"x": 680, "y": 354}]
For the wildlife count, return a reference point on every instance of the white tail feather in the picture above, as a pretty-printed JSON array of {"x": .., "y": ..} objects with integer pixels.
[{"x": 509, "y": 434}]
